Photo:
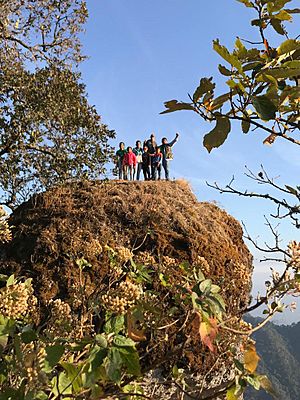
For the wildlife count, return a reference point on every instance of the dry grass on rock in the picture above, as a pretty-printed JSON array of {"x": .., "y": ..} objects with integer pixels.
[{"x": 162, "y": 223}]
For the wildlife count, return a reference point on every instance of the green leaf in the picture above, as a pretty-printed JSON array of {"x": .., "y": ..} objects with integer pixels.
[
  {"x": 53, "y": 355},
  {"x": 215, "y": 289},
  {"x": 3, "y": 341},
  {"x": 206, "y": 86},
  {"x": 246, "y": 125},
  {"x": 247, "y": 3},
  {"x": 283, "y": 16},
  {"x": 276, "y": 5},
  {"x": 11, "y": 280},
  {"x": 205, "y": 286},
  {"x": 224, "y": 71},
  {"x": 3, "y": 278},
  {"x": 73, "y": 374},
  {"x": 130, "y": 359},
  {"x": 114, "y": 324},
  {"x": 230, "y": 395},
  {"x": 287, "y": 46},
  {"x": 61, "y": 385},
  {"x": 123, "y": 341},
  {"x": 267, "y": 385},
  {"x": 41, "y": 396},
  {"x": 28, "y": 336},
  {"x": 114, "y": 365},
  {"x": 277, "y": 25},
  {"x": 291, "y": 64},
  {"x": 218, "y": 135},
  {"x": 293, "y": 10},
  {"x": 264, "y": 107},
  {"x": 292, "y": 190},
  {"x": 101, "y": 341},
  {"x": 253, "y": 381},
  {"x": 97, "y": 356},
  {"x": 281, "y": 73},
  {"x": 239, "y": 365},
  {"x": 173, "y": 105},
  {"x": 220, "y": 299},
  {"x": 230, "y": 58},
  {"x": 220, "y": 100},
  {"x": 241, "y": 50}
]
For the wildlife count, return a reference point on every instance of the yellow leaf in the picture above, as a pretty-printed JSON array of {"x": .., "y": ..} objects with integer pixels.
[
  {"x": 230, "y": 395},
  {"x": 251, "y": 359}
]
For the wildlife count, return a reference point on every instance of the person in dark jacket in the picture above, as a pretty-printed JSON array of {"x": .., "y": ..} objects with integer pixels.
[
  {"x": 167, "y": 155},
  {"x": 151, "y": 144},
  {"x": 119, "y": 160},
  {"x": 146, "y": 164},
  {"x": 138, "y": 151}
]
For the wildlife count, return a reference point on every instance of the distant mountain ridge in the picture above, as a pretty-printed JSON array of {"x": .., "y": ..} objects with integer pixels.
[{"x": 279, "y": 348}]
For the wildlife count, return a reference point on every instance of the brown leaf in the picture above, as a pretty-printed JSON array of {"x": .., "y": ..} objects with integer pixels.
[
  {"x": 136, "y": 334},
  {"x": 270, "y": 139}
]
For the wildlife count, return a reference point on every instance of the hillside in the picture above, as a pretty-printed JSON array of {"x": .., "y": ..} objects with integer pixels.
[{"x": 279, "y": 348}]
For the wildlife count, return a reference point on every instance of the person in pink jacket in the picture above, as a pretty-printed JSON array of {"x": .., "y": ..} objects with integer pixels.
[{"x": 129, "y": 163}]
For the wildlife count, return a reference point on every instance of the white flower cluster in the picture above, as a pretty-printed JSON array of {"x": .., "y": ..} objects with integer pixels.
[
  {"x": 17, "y": 301},
  {"x": 61, "y": 321},
  {"x": 5, "y": 232},
  {"x": 123, "y": 297},
  {"x": 124, "y": 254},
  {"x": 33, "y": 361},
  {"x": 294, "y": 251}
]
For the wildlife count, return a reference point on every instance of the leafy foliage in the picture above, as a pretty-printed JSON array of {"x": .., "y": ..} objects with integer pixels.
[
  {"x": 263, "y": 83},
  {"x": 48, "y": 131}
]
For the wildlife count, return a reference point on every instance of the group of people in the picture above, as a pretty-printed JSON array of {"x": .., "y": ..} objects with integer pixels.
[{"x": 149, "y": 158}]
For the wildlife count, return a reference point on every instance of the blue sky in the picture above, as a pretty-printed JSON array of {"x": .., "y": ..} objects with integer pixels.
[{"x": 143, "y": 53}]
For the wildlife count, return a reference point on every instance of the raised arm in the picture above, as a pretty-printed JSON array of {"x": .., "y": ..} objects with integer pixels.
[{"x": 174, "y": 140}]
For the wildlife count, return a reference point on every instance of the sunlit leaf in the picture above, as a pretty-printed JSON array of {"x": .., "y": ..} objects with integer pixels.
[
  {"x": 251, "y": 359},
  {"x": 174, "y": 105},
  {"x": 206, "y": 86},
  {"x": 247, "y": 3},
  {"x": 288, "y": 46},
  {"x": 218, "y": 135},
  {"x": 230, "y": 394},
  {"x": 267, "y": 385},
  {"x": 227, "y": 56}
]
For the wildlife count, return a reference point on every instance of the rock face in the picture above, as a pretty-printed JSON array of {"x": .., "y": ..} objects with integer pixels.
[{"x": 161, "y": 222}]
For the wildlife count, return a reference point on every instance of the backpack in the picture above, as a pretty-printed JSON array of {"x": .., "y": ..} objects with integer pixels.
[{"x": 169, "y": 153}]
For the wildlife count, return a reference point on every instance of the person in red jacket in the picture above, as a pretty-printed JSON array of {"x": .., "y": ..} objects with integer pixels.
[{"x": 129, "y": 163}]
